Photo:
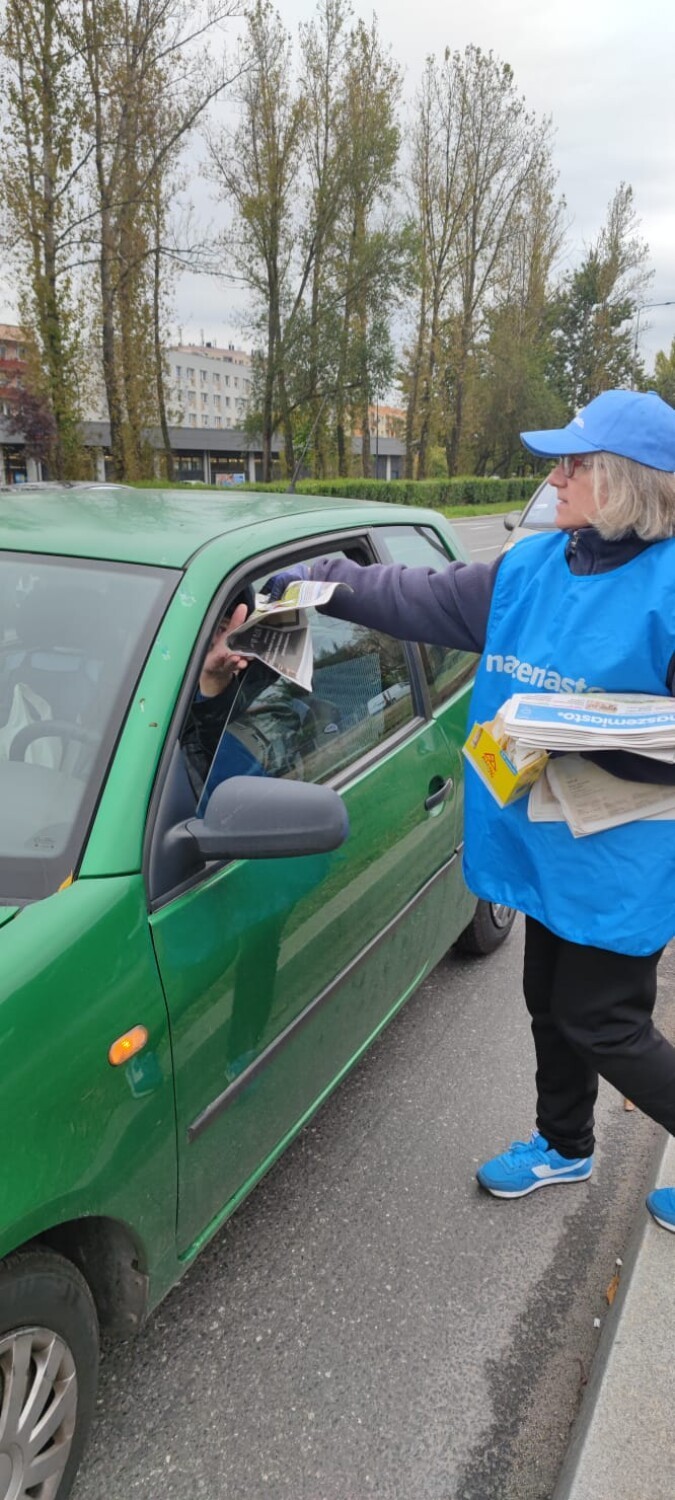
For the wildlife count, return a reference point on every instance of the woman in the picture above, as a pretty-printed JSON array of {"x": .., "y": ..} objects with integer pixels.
[{"x": 594, "y": 607}]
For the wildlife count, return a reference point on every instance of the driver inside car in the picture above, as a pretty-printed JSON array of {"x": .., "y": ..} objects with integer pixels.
[{"x": 228, "y": 685}]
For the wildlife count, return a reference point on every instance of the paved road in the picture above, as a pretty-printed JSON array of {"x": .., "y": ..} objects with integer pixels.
[
  {"x": 371, "y": 1324},
  {"x": 484, "y": 537}
]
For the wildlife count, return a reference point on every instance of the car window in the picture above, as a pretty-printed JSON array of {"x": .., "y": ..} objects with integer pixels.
[
  {"x": 262, "y": 725},
  {"x": 73, "y": 636},
  {"x": 445, "y": 669},
  {"x": 540, "y": 512}
]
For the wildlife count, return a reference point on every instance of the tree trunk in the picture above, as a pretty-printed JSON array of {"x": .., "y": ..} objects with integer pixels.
[
  {"x": 413, "y": 393},
  {"x": 159, "y": 354}
]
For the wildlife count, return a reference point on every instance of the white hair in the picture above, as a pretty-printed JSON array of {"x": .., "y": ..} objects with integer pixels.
[{"x": 632, "y": 497}]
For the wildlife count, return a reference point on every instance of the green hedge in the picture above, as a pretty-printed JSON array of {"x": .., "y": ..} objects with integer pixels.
[{"x": 434, "y": 493}]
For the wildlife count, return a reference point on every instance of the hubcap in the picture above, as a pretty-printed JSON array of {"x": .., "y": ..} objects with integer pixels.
[
  {"x": 501, "y": 915},
  {"x": 38, "y": 1407}
]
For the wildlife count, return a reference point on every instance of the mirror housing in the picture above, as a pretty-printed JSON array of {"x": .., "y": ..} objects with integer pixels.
[
  {"x": 258, "y": 817},
  {"x": 511, "y": 519}
]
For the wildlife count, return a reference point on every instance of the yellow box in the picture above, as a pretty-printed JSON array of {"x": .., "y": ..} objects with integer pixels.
[{"x": 489, "y": 758}]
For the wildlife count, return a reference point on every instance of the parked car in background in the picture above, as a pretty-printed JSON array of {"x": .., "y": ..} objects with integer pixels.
[
  {"x": 538, "y": 515},
  {"x": 185, "y": 977}
]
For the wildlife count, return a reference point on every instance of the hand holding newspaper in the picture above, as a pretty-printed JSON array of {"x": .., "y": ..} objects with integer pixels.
[{"x": 277, "y": 633}]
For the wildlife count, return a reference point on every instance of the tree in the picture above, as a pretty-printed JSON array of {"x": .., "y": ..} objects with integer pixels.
[
  {"x": 440, "y": 203},
  {"x": 45, "y": 151},
  {"x": 256, "y": 167},
  {"x": 501, "y": 153},
  {"x": 664, "y": 375},
  {"x": 511, "y": 387},
  {"x": 593, "y": 342},
  {"x": 150, "y": 75},
  {"x": 324, "y": 50},
  {"x": 477, "y": 155},
  {"x": 368, "y": 255}
]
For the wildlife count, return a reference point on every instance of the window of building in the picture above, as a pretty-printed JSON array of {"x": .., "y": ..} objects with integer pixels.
[
  {"x": 203, "y": 376},
  {"x": 193, "y": 421},
  {"x": 179, "y": 372},
  {"x": 217, "y": 421},
  {"x": 216, "y": 379},
  {"x": 216, "y": 403},
  {"x": 205, "y": 398},
  {"x": 227, "y": 380},
  {"x": 205, "y": 421},
  {"x": 236, "y": 382},
  {"x": 227, "y": 400},
  {"x": 192, "y": 398}
]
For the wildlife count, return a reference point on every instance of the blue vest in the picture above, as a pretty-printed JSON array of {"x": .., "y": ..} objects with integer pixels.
[{"x": 551, "y": 631}]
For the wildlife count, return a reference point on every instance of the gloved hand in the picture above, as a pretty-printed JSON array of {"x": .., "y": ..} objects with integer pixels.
[{"x": 277, "y": 584}]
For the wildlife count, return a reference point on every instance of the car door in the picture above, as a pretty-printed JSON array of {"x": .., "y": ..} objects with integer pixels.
[
  {"x": 277, "y": 973},
  {"x": 448, "y": 673}
]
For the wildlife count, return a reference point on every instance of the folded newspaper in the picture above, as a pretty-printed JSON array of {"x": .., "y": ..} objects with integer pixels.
[
  {"x": 565, "y": 721},
  {"x": 577, "y": 792},
  {"x": 573, "y": 789},
  {"x": 277, "y": 633}
]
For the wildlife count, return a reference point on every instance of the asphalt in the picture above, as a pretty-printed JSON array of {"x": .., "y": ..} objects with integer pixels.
[{"x": 622, "y": 1445}]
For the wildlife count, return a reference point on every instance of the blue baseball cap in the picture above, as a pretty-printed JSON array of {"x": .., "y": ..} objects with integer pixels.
[{"x": 631, "y": 423}]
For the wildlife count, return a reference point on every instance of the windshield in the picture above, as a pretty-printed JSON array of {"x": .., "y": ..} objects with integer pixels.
[
  {"x": 73, "y": 638},
  {"x": 540, "y": 512}
]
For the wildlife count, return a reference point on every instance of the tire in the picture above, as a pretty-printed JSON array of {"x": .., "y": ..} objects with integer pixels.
[
  {"x": 48, "y": 1371},
  {"x": 487, "y": 930}
]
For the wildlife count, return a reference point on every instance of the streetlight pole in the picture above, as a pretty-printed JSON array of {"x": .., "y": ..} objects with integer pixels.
[{"x": 642, "y": 308}]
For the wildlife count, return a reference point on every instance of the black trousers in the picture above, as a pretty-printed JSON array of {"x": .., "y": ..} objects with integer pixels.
[{"x": 591, "y": 1014}]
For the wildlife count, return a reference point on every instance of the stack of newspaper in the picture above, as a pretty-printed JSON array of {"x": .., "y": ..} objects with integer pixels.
[
  {"x": 573, "y": 789},
  {"x": 277, "y": 631}
]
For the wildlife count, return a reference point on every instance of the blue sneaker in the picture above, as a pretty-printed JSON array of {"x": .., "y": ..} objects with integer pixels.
[
  {"x": 532, "y": 1164},
  {"x": 661, "y": 1205}
]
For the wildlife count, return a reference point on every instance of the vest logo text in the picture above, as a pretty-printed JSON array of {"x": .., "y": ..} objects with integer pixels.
[{"x": 536, "y": 677}]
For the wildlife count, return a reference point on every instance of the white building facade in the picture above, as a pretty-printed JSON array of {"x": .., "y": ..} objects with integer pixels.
[{"x": 207, "y": 386}]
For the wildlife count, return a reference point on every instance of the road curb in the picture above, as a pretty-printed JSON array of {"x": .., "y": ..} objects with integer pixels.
[{"x": 622, "y": 1440}]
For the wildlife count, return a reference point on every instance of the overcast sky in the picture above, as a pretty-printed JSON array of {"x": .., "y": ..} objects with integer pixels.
[{"x": 603, "y": 69}]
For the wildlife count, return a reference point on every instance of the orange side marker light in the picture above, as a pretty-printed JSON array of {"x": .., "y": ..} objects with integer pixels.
[{"x": 127, "y": 1045}]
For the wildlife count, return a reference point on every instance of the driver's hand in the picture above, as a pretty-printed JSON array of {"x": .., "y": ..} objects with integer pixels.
[{"x": 220, "y": 663}]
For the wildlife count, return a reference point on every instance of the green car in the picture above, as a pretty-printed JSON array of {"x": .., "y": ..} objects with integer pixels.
[{"x": 193, "y": 954}]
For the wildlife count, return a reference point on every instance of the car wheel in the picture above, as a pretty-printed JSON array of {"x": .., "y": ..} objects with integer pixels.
[
  {"x": 48, "y": 1372},
  {"x": 489, "y": 926}
]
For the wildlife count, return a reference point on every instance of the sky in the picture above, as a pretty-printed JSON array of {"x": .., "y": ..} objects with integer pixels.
[{"x": 602, "y": 69}]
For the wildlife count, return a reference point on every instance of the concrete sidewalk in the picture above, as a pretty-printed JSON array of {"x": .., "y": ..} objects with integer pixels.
[{"x": 623, "y": 1441}]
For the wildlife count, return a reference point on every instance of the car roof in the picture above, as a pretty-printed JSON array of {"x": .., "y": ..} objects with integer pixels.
[{"x": 161, "y": 527}]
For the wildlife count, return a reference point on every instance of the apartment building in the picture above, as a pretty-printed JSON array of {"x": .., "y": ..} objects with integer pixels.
[
  {"x": 15, "y": 467},
  {"x": 208, "y": 386}
]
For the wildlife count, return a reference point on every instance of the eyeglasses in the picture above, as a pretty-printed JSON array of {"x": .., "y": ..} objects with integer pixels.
[{"x": 571, "y": 461}]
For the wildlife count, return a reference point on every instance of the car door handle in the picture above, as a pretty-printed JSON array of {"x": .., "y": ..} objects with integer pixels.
[{"x": 439, "y": 790}]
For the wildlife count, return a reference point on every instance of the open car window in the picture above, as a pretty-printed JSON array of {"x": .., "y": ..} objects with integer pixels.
[
  {"x": 73, "y": 638},
  {"x": 263, "y": 725}
]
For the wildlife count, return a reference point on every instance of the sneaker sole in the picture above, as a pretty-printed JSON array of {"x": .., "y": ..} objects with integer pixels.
[
  {"x": 663, "y": 1222},
  {"x": 541, "y": 1182}
]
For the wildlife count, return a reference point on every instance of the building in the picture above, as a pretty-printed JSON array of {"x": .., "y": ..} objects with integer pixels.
[
  {"x": 209, "y": 393},
  {"x": 15, "y": 467},
  {"x": 208, "y": 387}
]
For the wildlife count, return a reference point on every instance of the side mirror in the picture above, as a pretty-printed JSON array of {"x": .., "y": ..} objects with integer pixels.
[
  {"x": 511, "y": 520},
  {"x": 258, "y": 817}
]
